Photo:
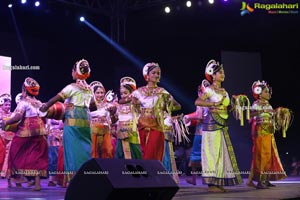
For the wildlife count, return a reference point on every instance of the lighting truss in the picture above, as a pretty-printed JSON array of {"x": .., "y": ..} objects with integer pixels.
[
  {"x": 116, "y": 10},
  {"x": 107, "y": 7}
]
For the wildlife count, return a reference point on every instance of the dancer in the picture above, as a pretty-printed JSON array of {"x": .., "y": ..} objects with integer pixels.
[
  {"x": 29, "y": 143},
  {"x": 128, "y": 140},
  {"x": 102, "y": 120},
  {"x": 55, "y": 132},
  {"x": 219, "y": 164},
  {"x": 154, "y": 101},
  {"x": 6, "y": 138},
  {"x": 195, "y": 119},
  {"x": 175, "y": 132},
  {"x": 266, "y": 165},
  {"x": 77, "y": 130}
]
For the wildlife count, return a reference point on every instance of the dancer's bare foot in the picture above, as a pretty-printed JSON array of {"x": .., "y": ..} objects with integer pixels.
[{"x": 37, "y": 185}]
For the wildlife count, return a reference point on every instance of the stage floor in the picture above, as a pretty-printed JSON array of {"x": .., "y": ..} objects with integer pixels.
[{"x": 286, "y": 189}]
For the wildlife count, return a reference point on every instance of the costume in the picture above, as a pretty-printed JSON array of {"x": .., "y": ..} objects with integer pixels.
[
  {"x": 77, "y": 130},
  {"x": 266, "y": 164},
  {"x": 195, "y": 156},
  {"x": 219, "y": 165},
  {"x": 5, "y": 136},
  {"x": 55, "y": 133},
  {"x": 29, "y": 149},
  {"x": 153, "y": 102},
  {"x": 169, "y": 161},
  {"x": 128, "y": 141},
  {"x": 195, "y": 119},
  {"x": 102, "y": 146},
  {"x": 61, "y": 176}
]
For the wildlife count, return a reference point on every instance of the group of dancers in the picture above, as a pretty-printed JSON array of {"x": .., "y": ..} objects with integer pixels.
[{"x": 85, "y": 121}]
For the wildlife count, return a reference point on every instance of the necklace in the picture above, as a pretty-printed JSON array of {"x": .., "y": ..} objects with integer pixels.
[
  {"x": 82, "y": 84},
  {"x": 263, "y": 101},
  {"x": 216, "y": 85},
  {"x": 150, "y": 90},
  {"x": 33, "y": 101},
  {"x": 100, "y": 104},
  {"x": 218, "y": 89},
  {"x": 151, "y": 87}
]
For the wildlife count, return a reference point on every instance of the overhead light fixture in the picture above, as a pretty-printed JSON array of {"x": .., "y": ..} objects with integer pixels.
[
  {"x": 37, "y": 4},
  {"x": 188, "y": 4},
  {"x": 167, "y": 9},
  {"x": 81, "y": 19}
]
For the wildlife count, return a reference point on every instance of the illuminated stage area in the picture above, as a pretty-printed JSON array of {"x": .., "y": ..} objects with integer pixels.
[{"x": 286, "y": 189}]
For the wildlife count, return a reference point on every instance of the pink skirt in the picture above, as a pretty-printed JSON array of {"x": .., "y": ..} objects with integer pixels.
[{"x": 28, "y": 156}]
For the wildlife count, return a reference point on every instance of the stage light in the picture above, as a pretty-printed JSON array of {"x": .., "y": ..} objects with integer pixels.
[
  {"x": 188, "y": 4},
  {"x": 37, "y": 3},
  {"x": 167, "y": 9},
  {"x": 81, "y": 19},
  {"x": 10, "y": 5},
  {"x": 23, "y": 1},
  {"x": 211, "y": 1}
]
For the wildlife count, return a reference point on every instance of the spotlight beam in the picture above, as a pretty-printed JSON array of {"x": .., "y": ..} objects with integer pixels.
[
  {"x": 138, "y": 63},
  {"x": 123, "y": 51}
]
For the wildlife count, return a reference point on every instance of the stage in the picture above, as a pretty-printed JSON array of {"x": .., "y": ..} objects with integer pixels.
[{"x": 286, "y": 189}]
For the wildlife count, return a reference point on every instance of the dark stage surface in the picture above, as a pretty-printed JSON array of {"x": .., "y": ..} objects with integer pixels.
[{"x": 286, "y": 189}]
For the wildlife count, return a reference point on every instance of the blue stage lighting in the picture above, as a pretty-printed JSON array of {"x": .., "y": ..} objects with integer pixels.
[
  {"x": 81, "y": 19},
  {"x": 139, "y": 63},
  {"x": 23, "y": 1},
  {"x": 10, "y": 5},
  {"x": 37, "y": 3}
]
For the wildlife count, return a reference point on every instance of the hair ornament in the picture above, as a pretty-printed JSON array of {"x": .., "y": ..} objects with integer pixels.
[
  {"x": 32, "y": 86},
  {"x": 4, "y": 97},
  {"x": 96, "y": 83},
  {"x": 80, "y": 67},
  {"x": 18, "y": 98},
  {"x": 128, "y": 81},
  {"x": 146, "y": 68},
  {"x": 209, "y": 67}
]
